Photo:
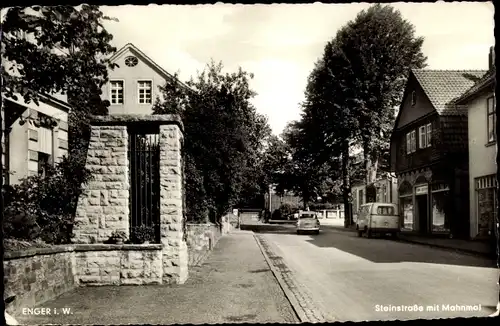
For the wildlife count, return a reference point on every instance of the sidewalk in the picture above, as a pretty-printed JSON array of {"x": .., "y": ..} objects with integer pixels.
[
  {"x": 233, "y": 285},
  {"x": 466, "y": 246}
]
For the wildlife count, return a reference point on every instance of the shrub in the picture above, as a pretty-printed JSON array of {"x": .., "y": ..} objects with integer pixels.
[
  {"x": 143, "y": 233},
  {"x": 43, "y": 207}
]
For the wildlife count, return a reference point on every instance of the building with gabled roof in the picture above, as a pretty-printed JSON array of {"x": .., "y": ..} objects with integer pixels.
[
  {"x": 133, "y": 86},
  {"x": 429, "y": 152}
]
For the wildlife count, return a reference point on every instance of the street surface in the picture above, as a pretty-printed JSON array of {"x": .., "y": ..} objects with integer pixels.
[
  {"x": 233, "y": 285},
  {"x": 355, "y": 279}
]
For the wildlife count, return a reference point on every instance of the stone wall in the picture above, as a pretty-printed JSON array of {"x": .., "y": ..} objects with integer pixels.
[
  {"x": 202, "y": 238},
  {"x": 102, "y": 264},
  {"x": 38, "y": 275},
  {"x": 175, "y": 253},
  {"x": 104, "y": 205}
]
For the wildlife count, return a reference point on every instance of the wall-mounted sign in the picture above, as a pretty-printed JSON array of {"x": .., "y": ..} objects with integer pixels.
[{"x": 421, "y": 190}]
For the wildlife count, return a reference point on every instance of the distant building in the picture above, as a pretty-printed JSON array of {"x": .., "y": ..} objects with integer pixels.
[
  {"x": 382, "y": 190},
  {"x": 274, "y": 201},
  {"x": 133, "y": 86}
]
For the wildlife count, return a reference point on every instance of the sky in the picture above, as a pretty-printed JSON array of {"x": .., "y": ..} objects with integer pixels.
[{"x": 280, "y": 43}]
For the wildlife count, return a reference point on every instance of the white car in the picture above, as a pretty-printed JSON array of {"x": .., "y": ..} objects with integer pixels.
[{"x": 307, "y": 222}]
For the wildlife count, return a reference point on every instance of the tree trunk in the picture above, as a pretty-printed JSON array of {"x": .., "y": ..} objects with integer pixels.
[
  {"x": 366, "y": 162},
  {"x": 305, "y": 198},
  {"x": 346, "y": 185},
  {"x": 370, "y": 163}
]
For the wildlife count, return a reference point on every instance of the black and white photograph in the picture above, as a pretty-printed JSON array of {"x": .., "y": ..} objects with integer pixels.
[{"x": 227, "y": 163}]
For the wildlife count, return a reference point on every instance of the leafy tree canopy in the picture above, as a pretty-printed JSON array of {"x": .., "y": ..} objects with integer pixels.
[{"x": 224, "y": 139}]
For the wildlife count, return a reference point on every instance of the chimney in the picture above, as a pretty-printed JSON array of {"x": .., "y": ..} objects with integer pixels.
[{"x": 491, "y": 58}]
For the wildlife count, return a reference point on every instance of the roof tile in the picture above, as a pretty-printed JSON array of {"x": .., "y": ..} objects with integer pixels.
[{"x": 443, "y": 86}]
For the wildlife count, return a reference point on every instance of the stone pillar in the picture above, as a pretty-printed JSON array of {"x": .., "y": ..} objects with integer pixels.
[
  {"x": 175, "y": 252},
  {"x": 103, "y": 206}
]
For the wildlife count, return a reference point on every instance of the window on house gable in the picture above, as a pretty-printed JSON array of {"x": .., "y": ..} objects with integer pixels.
[
  {"x": 145, "y": 88},
  {"x": 492, "y": 120},
  {"x": 116, "y": 90},
  {"x": 413, "y": 98}
]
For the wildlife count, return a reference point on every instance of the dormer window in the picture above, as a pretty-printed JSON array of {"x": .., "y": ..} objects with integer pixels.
[{"x": 413, "y": 98}]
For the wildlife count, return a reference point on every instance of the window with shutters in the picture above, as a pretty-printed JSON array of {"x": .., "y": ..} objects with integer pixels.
[
  {"x": 411, "y": 142},
  {"x": 424, "y": 136}
]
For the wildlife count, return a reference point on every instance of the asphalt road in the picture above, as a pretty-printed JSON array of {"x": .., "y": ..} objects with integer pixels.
[{"x": 358, "y": 279}]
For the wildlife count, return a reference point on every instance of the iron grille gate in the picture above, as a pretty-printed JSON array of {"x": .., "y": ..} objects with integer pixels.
[{"x": 144, "y": 157}]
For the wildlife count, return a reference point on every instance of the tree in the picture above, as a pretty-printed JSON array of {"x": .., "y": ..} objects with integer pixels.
[
  {"x": 59, "y": 49},
  {"x": 381, "y": 47},
  {"x": 328, "y": 119},
  {"x": 303, "y": 173},
  {"x": 353, "y": 89},
  {"x": 223, "y": 138}
]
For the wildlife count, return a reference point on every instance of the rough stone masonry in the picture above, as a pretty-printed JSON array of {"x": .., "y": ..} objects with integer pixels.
[{"x": 104, "y": 205}]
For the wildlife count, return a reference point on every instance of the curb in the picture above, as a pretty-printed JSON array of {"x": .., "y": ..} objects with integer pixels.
[
  {"x": 304, "y": 313},
  {"x": 447, "y": 248},
  {"x": 432, "y": 245},
  {"x": 288, "y": 294}
]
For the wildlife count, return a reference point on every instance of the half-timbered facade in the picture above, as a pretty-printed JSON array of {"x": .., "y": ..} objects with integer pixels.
[{"x": 429, "y": 153}]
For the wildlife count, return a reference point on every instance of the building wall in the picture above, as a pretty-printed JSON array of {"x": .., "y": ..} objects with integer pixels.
[
  {"x": 131, "y": 76},
  {"x": 390, "y": 196},
  {"x": 25, "y": 141},
  {"x": 441, "y": 188},
  {"x": 482, "y": 158},
  {"x": 358, "y": 199},
  {"x": 277, "y": 201},
  {"x": 421, "y": 108}
]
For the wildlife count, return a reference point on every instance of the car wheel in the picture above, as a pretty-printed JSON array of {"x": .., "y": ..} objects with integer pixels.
[
  {"x": 360, "y": 233},
  {"x": 368, "y": 233},
  {"x": 316, "y": 232},
  {"x": 394, "y": 235},
  {"x": 298, "y": 232}
]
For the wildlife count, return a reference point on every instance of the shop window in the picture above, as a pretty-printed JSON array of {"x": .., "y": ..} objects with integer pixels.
[
  {"x": 486, "y": 201},
  {"x": 406, "y": 204},
  {"x": 440, "y": 220}
]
